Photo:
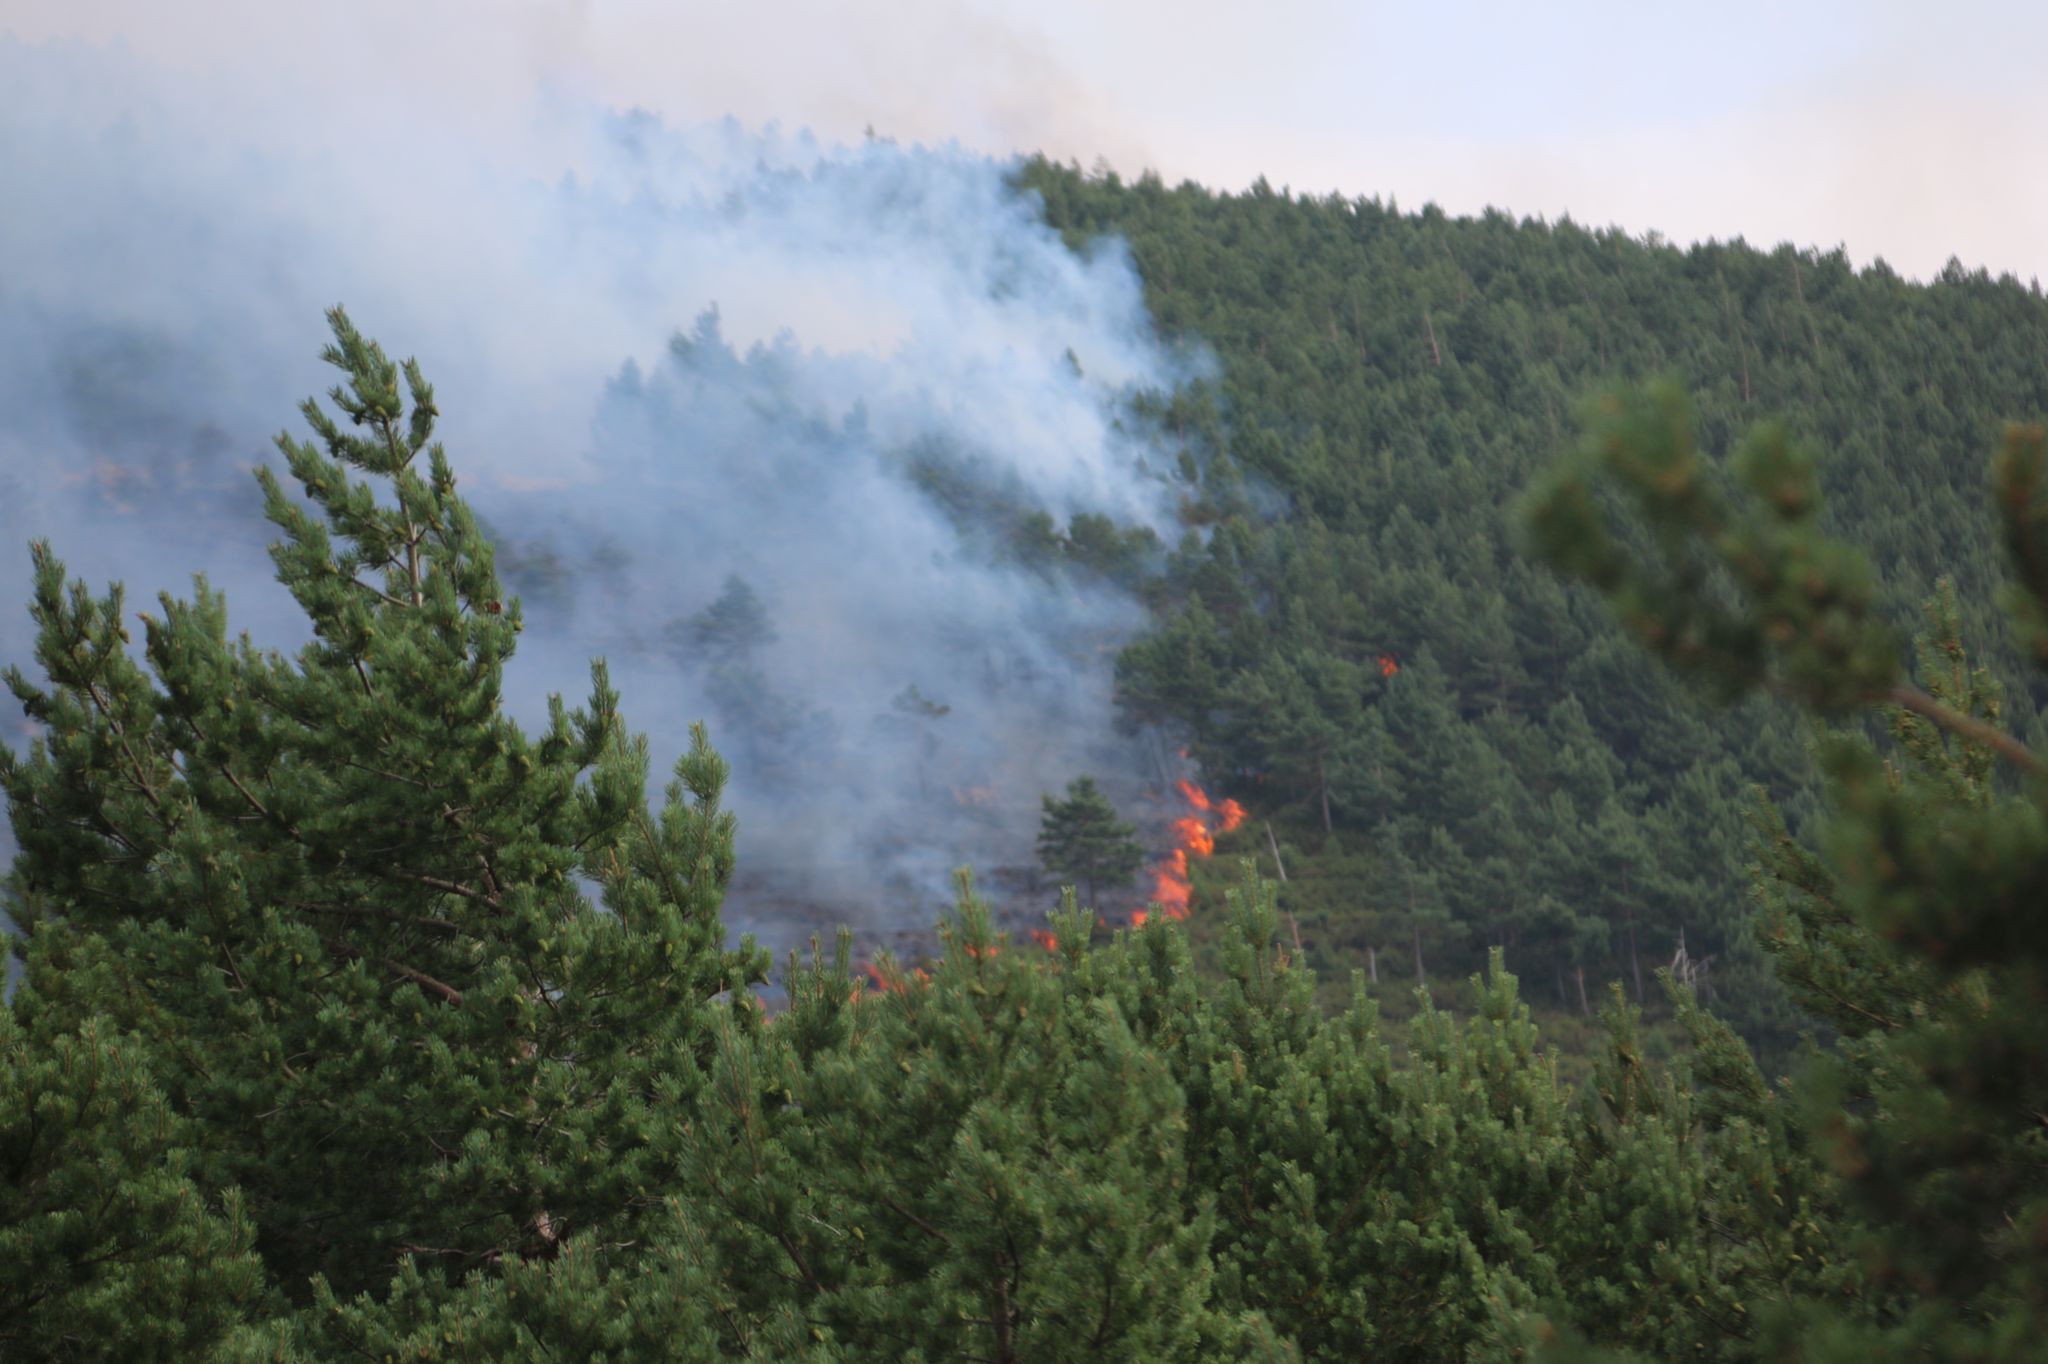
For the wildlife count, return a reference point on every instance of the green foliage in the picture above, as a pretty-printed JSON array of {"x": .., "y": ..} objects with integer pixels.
[
  {"x": 1082, "y": 841},
  {"x": 323, "y": 1050},
  {"x": 1748, "y": 595},
  {"x": 1387, "y": 383},
  {"x": 335, "y": 898},
  {"x": 108, "y": 1249},
  {"x": 586, "y": 1303},
  {"x": 1917, "y": 932},
  {"x": 982, "y": 1161}
]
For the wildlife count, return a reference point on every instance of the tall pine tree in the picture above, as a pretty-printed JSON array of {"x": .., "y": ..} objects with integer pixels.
[{"x": 337, "y": 898}]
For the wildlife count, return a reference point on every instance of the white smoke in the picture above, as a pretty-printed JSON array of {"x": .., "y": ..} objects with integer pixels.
[{"x": 827, "y": 386}]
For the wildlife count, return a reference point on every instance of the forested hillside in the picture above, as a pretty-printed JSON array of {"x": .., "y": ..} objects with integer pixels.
[
  {"x": 1456, "y": 750},
  {"x": 357, "y": 1021}
]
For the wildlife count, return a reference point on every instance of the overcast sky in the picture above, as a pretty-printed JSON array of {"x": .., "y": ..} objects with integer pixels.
[{"x": 1907, "y": 131}]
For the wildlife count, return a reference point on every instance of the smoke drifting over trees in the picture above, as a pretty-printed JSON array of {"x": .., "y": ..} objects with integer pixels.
[{"x": 858, "y": 395}]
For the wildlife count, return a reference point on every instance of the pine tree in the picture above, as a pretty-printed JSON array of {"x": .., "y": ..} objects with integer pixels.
[
  {"x": 1082, "y": 841},
  {"x": 1288, "y": 1128},
  {"x": 1918, "y": 930},
  {"x": 982, "y": 1161},
  {"x": 335, "y": 898},
  {"x": 731, "y": 628},
  {"x": 108, "y": 1250}
]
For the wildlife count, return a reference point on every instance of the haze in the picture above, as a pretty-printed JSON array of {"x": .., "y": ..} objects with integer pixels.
[{"x": 534, "y": 198}]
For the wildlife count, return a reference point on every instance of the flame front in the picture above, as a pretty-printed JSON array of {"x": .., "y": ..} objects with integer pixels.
[
  {"x": 1193, "y": 836},
  {"x": 1229, "y": 813}
]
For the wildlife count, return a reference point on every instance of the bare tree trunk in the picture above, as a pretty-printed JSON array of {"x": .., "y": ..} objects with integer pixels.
[
  {"x": 1005, "y": 1348},
  {"x": 1323, "y": 784},
  {"x": 1584, "y": 1007},
  {"x": 1372, "y": 964},
  {"x": 1436, "y": 356},
  {"x": 1735, "y": 330},
  {"x": 1635, "y": 962},
  {"x": 1274, "y": 843}
]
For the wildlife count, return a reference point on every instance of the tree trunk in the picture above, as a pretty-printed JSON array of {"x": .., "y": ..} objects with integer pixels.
[
  {"x": 1635, "y": 963},
  {"x": 1584, "y": 1007},
  {"x": 1735, "y": 329},
  {"x": 1275, "y": 845},
  {"x": 1323, "y": 785},
  {"x": 1372, "y": 964},
  {"x": 1006, "y": 1352},
  {"x": 1421, "y": 974}
]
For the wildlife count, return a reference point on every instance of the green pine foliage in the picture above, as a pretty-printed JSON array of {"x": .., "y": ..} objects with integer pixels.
[
  {"x": 335, "y": 897},
  {"x": 1082, "y": 842},
  {"x": 1006, "y": 1166},
  {"x": 108, "y": 1248},
  {"x": 1387, "y": 381},
  {"x": 1916, "y": 931},
  {"x": 324, "y": 1049}
]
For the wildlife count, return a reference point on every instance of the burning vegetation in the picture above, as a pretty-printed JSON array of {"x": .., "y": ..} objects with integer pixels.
[
  {"x": 1194, "y": 835},
  {"x": 1170, "y": 887}
]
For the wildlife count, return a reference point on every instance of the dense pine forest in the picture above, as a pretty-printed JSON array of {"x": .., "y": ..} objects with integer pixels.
[
  {"x": 1651, "y": 634},
  {"x": 1460, "y": 752}
]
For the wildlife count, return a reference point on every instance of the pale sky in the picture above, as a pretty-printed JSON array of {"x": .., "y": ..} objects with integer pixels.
[{"x": 1902, "y": 130}]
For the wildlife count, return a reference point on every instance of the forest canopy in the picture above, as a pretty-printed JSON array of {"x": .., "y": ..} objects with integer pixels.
[
  {"x": 358, "y": 1020},
  {"x": 1459, "y": 750}
]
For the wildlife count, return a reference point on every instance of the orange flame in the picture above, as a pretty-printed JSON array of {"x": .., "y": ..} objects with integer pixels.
[
  {"x": 1229, "y": 812},
  {"x": 1193, "y": 836},
  {"x": 1389, "y": 665}
]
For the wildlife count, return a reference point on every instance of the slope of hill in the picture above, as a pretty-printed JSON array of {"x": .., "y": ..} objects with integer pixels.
[{"x": 1454, "y": 750}]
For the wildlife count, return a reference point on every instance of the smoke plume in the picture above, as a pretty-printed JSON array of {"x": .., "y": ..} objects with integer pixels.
[{"x": 838, "y": 449}]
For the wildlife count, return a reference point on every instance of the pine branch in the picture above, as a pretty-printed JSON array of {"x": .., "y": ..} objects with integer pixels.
[
  {"x": 257, "y": 805},
  {"x": 376, "y": 591},
  {"x": 105, "y": 706},
  {"x": 1967, "y": 727},
  {"x": 397, "y": 968},
  {"x": 451, "y": 887}
]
